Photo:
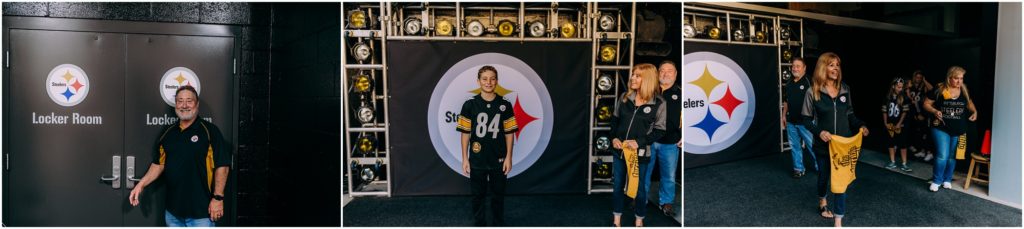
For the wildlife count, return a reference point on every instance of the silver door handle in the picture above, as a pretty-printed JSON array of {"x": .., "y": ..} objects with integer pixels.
[
  {"x": 115, "y": 178},
  {"x": 130, "y": 183}
]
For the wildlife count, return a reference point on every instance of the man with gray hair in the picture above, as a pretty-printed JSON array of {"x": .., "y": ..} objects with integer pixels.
[{"x": 195, "y": 161}]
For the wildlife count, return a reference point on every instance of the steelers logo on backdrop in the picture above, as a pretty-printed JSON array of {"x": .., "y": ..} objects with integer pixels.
[
  {"x": 719, "y": 102},
  {"x": 518, "y": 83},
  {"x": 67, "y": 85},
  {"x": 175, "y": 78}
]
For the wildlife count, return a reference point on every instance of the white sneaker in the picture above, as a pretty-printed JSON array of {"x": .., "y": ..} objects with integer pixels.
[
  {"x": 928, "y": 157},
  {"x": 919, "y": 154},
  {"x": 933, "y": 187},
  {"x": 947, "y": 185}
]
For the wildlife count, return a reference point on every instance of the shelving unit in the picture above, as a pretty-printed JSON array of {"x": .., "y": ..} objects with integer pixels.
[{"x": 360, "y": 163}]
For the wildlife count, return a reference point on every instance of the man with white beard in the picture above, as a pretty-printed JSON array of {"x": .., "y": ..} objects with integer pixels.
[{"x": 195, "y": 161}]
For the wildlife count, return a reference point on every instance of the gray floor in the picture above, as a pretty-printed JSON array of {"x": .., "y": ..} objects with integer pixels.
[
  {"x": 760, "y": 192},
  {"x": 677, "y": 203},
  {"x": 577, "y": 210}
]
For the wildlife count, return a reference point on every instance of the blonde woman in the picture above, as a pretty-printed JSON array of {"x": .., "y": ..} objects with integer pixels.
[
  {"x": 638, "y": 121},
  {"x": 828, "y": 111},
  {"x": 948, "y": 104}
]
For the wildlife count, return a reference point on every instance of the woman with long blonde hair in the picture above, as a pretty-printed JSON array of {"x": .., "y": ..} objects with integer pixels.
[
  {"x": 828, "y": 111},
  {"x": 948, "y": 104},
  {"x": 638, "y": 120}
]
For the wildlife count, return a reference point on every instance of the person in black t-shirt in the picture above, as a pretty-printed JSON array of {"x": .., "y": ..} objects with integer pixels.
[
  {"x": 488, "y": 126},
  {"x": 796, "y": 132},
  {"x": 894, "y": 113},
  {"x": 194, "y": 162},
  {"x": 949, "y": 103},
  {"x": 665, "y": 151},
  {"x": 919, "y": 131}
]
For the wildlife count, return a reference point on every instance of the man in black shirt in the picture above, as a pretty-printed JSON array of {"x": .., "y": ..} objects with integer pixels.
[
  {"x": 488, "y": 126},
  {"x": 793, "y": 96},
  {"x": 665, "y": 150},
  {"x": 195, "y": 163}
]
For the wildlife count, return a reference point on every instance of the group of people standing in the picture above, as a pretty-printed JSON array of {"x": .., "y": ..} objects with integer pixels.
[
  {"x": 640, "y": 130},
  {"x": 816, "y": 109}
]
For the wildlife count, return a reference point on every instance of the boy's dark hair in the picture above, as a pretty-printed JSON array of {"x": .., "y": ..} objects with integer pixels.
[
  {"x": 187, "y": 88},
  {"x": 487, "y": 68}
]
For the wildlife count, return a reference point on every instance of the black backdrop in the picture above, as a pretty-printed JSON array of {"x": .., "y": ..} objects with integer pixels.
[
  {"x": 415, "y": 67},
  {"x": 763, "y": 136}
]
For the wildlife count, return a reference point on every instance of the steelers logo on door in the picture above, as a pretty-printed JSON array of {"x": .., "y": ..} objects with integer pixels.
[
  {"x": 67, "y": 85},
  {"x": 175, "y": 78},
  {"x": 719, "y": 102}
]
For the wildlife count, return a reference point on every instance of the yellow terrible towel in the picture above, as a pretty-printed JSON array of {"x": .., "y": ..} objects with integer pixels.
[
  {"x": 843, "y": 154},
  {"x": 632, "y": 171}
]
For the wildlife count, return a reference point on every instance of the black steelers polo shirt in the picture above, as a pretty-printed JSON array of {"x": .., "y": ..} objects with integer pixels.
[
  {"x": 189, "y": 157},
  {"x": 487, "y": 122}
]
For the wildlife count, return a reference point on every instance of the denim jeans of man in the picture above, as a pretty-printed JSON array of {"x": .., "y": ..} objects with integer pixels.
[
  {"x": 667, "y": 157},
  {"x": 945, "y": 146},
  {"x": 174, "y": 221},
  {"x": 838, "y": 204},
  {"x": 799, "y": 135},
  {"x": 619, "y": 183}
]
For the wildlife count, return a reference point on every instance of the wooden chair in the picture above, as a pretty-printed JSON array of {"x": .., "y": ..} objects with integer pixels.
[{"x": 974, "y": 173}]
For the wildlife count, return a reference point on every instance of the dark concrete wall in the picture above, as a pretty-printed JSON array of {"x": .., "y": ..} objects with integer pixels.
[{"x": 305, "y": 122}]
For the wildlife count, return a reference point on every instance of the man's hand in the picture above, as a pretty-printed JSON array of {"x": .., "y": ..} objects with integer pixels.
[
  {"x": 507, "y": 166},
  {"x": 973, "y": 117},
  {"x": 865, "y": 129},
  {"x": 216, "y": 209},
  {"x": 465, "y": 167},
  {"x": 133, "y": 198}
]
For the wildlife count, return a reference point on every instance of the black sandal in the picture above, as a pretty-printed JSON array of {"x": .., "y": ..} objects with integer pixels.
[{"x": 824, "y": 209}]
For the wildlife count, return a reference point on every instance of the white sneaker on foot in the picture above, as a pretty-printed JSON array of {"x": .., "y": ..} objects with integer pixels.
[
  {"x": 947, "y": 185},
  {"x": 933, "y": 187},
  {"x": 919, "y": 154},
  {"x": 928, "y": 157}
]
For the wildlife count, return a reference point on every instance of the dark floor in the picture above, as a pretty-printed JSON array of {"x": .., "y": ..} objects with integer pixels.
[
  {"x": 760, "y": 192},
  {"x": 528, "y": 211}
]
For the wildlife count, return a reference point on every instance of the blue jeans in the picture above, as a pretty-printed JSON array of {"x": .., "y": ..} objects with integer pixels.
[
  {"x": 174, "y": 221},
  {"x": 667, "y": 156},
  {"x": 945, "y": 146},
  {"x": 798, "y": 134},
  {"x": 619, "y": 183}
]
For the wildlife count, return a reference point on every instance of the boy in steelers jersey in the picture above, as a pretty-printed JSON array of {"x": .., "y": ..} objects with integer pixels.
[{"x": 487, "y": 125}]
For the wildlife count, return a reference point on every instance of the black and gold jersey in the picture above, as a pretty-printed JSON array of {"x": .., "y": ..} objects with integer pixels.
[
  {"x": 190, "y": 156},
  {"x": 894, "y": 106},
  {"x": 487, "y": 122}
]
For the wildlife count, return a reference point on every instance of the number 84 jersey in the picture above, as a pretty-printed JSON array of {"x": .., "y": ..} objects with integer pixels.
[{"x": 487, "y": 122}]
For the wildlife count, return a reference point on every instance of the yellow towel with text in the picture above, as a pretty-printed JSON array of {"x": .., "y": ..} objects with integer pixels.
[
  {"x": 843, "y": 155},
  {"x": 961, "y": 147},
  {"x": 632, "y": 171}
]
